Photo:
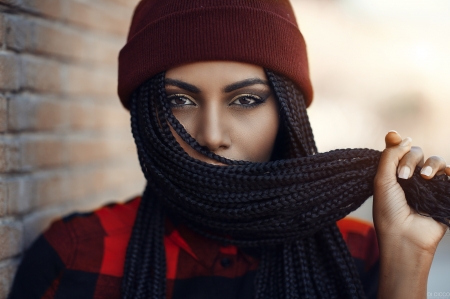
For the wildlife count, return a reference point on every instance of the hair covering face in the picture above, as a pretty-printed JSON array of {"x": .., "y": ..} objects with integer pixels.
[
  {"x": 165, "y": 34},
  {"x": 286, "y": 208}
]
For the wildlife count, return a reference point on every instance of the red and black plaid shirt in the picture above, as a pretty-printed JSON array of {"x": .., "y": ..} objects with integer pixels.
[{"x": 82, "y": 256}]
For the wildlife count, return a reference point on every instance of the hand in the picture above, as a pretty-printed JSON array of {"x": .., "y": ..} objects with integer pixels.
[{"x": 396, "y": 223}]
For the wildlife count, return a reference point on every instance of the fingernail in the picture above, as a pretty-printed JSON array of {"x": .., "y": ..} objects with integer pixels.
[
  {"x": 393, "y": 131},
  {"x": 426, "y": 170},
  {"x": 404, "y": 173},
  {"x": 406, "y": 141}
]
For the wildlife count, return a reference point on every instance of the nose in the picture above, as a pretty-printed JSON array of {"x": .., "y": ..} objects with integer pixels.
[{"x": 212, "y": 130}]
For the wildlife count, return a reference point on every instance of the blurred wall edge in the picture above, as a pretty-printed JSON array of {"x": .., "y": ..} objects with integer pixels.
[{"x": 65, "y": 141}]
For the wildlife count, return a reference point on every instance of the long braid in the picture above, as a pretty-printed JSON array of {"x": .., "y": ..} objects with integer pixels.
[{"x": 287, "y": 207}]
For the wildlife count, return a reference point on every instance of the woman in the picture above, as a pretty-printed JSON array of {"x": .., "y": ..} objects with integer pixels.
[{"x": 238, "y": 202}]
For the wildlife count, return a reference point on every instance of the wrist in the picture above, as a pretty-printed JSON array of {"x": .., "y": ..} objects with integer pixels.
[
  {"x": 406, "y": 243},
  {"x": 402, "y": 255},
  {"x": 404, "y": 270}
]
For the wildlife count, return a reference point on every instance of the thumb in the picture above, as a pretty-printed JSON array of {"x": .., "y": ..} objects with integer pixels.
[
  {"x": 396, "y": 148},
  {"x": 392, "y": 138}
]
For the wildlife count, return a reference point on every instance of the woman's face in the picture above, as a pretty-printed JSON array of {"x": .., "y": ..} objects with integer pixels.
[{"x": 227, "y": 107}]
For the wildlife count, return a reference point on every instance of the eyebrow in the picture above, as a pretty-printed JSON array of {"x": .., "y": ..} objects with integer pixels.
[
  {"x": 182, "y": 85},
  {"x": 228, "y": 88},
  {"x": 244, "y": 83}
]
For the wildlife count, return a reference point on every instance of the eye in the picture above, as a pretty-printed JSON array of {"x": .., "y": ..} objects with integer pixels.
[
  {"x": 246, "y": 100},
  {"x": 180, "y": 100}
]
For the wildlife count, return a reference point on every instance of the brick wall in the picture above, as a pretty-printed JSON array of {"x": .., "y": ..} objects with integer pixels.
[{"x": 65, "y": 141}]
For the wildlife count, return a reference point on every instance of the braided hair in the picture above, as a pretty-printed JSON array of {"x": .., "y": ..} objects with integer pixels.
[{"x": 286, "y": 208}]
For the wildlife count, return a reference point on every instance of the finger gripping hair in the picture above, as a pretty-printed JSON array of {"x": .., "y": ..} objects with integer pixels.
[{"x": 287, "y": 208}]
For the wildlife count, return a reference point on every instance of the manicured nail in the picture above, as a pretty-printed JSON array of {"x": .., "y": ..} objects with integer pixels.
[
  {"x": 426, "y": 170},
  {"x": 404, "y": 173},
  {"x": 393, "y": 131},
  {"x": 406, "y": 141}
]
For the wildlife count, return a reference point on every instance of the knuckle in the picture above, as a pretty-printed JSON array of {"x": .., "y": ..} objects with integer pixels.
[
  {"x": 416, "y": 149},
  {"x": 393, "y": 151},
  {"x": 387, "y": 154},
  {"x": 436, "y": 159}
]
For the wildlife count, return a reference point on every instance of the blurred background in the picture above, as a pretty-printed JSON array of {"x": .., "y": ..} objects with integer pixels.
[
  {"x": 65, "y": 142},
  {"x": 378, "y": 66}
]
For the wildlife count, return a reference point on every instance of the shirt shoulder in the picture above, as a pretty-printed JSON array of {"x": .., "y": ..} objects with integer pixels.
[
  {"x": 361, "y": 240},
  {"x": 114, "y": 218},
  {"x": 81, "y": 254},
  {"x": 87, "y": 230},
  {"x": 98, "y": 239}
]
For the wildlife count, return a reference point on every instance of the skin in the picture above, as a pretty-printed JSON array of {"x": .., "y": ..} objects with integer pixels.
[
  {"x": 407, "y": 240},
  {"x": 226, "y": 124},
  {"x": 235, "y": 122}
]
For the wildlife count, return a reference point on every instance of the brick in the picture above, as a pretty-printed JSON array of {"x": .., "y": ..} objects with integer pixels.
[
  {"x": 81, "y": 183},
  {"x": 130, "y": 189},
  {"x": 3, "y": 113},
  {"x": 8, "y": 269},
  {"x": 103, "y": 51},
  {"x": 99, "y": 17},
  {"x": 43, "y": 152},
  {"x": 112, "y": 116},
  {"x": 11, "y": 239},
  {"x": 87, "y": 183},
  {"x": 56, "y": 39},
  {"x": 9, "y": 154},
  {"x": 12, "y": 2},
  {"x": 90, "y": 82},
  {"x": 2, "y": 29},
  {"x": 129, "y": 171},
  {"x": 9, "y": 72},
  {"x": 37, "y": 222},
  {"x": 83, "y": 150},
  {"x": 19, "y": 33},
  {"x": 52, "y": 188},
  {"x": 89, "y": 188},
  {"x": 20, "y": 194},
  {"x": 81, "y": 115},
  {"x": 123, "y": 147},
  {"x": 126, "y": 3},
  {"x": 98, "y": 114},
  {"x": 51, "y": 8},
  {"x": 39, "y": 74},
  {"x": 3, "y": 199},
  {"x": 37, "y": 113},
  {"x": 51, "y": 115},
  {"x": 20, "y": 113}
]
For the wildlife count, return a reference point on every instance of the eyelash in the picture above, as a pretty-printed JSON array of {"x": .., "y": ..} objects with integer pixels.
[
  {"x": 257, "y": 100},
  {"x": 179, "y": 96}
]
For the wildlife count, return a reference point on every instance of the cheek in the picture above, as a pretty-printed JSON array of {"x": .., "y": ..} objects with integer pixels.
[
  {"x": 192, "y": 152},
  {"x": 257, "y": 135}
]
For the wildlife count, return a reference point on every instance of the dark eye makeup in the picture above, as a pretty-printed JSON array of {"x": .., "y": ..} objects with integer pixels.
[
  {"x": 180, "y": 100},
  {"x": 245, "y": 100}
]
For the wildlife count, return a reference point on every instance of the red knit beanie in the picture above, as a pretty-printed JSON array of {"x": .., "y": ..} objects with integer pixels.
[{"x": 168, "y": 33}]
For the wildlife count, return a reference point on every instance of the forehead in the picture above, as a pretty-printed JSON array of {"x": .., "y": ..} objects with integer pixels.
[{"x": 215, "y": 72}]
